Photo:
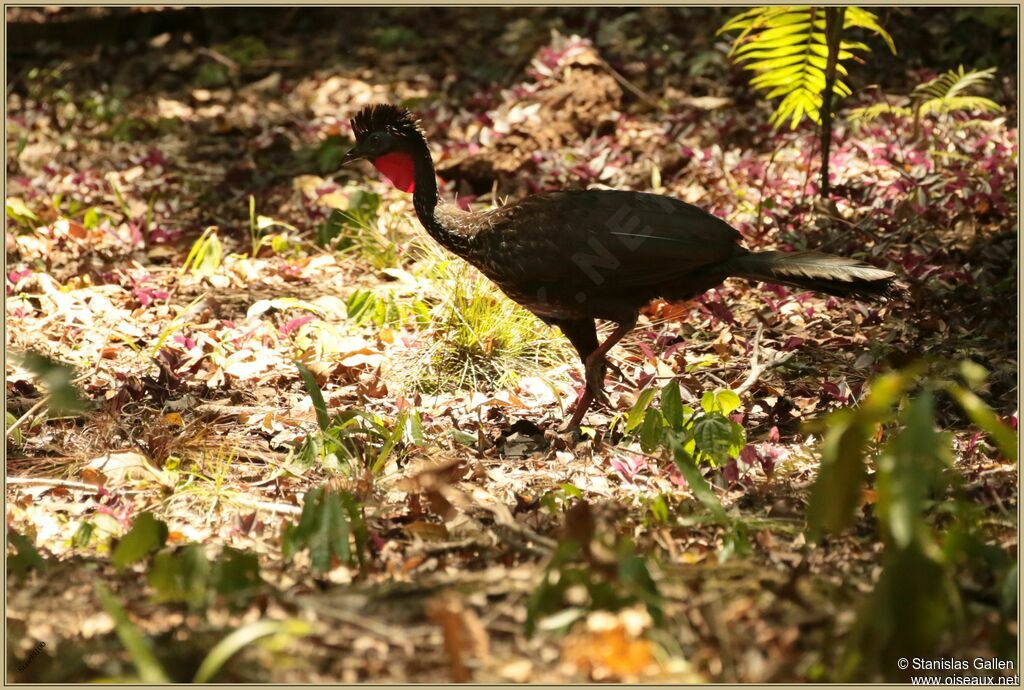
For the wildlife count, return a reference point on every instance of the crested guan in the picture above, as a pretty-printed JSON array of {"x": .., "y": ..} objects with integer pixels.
[{"x": 574, "y": 256}]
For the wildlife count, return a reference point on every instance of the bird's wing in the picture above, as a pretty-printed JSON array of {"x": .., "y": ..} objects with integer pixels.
[{"x": 631, "y": 238}]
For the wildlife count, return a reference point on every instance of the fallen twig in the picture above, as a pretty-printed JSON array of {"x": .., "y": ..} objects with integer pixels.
[
  {"x": 62, "y": 483},
  {"x": 757, "y": 367},
  {"x": 278, "y": 508},
  {"x": 28, "y": 415}
]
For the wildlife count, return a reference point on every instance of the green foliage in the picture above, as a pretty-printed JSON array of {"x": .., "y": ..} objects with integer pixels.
[
  {"x": 615, "y": 579},
  {"x": 354, "y": 440},
  {"x": 331, "y": 524},
  {"x": 365, "y": 306},
  {"x": 148, "y": 667},
  {"x": 258, "y": 226},
  {"x": 146, "y": 535},
  {"x": 206, "y": 254},
  {"x": 181, "y": 575},
  {"x": 18, "y": 212},
  {"x": 787, "y": 48},
  {"x": 323, "y": 419},
  {"x": 946, "y": 93},
  {"x": 139, "y": 648},
  {"x": 695, "y": 438},
  {"x": 186, "y": 575},
  {"x": 25, "y": 558},
  {"x": 243, "y": 637},
  {"x": 16, "y": 437},
  {"x": 916, "y": 607},
  {"x": 331, "y": 152},
  {"x": 59, "y": 381},
  {"x": 707, "y": 435},
  {"x": 478, "y": 339}
]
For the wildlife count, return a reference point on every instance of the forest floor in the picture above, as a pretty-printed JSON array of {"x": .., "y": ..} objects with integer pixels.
[{"x": 120, "y": 158}]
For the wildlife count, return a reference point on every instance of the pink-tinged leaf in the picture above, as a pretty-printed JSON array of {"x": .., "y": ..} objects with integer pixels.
[
  {"x": 296, "y": 323},
  {"x": 16, "y": 275},
  {"x": 773, "y": 434},
  {"x": 749, "y": 455},
  {"x": 731, "y": 472},
  {"x": 647, "y": 351},
  {"x": 184, "y": 341}
]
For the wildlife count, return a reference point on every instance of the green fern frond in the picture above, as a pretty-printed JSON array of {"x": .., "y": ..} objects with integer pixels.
[
  {"x": 876, "y": 110},
  {"x": 863, "y": 19},
  {"x": 786, "y": 48},
  {"x": 960, "y": 104},
  {"x": 946, "y": 93}
]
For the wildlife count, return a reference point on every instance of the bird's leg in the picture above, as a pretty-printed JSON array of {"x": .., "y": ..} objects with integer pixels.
[
  {"x": 582, "y": 405},
  {"x": 596, "y": 362},
  {"x": 582, "y": 333}
]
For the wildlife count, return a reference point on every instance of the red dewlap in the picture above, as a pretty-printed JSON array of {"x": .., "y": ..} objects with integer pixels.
[{"x": 399, "y": 168}]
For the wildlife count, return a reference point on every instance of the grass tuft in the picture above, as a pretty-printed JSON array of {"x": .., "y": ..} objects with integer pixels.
[{"x": 477, "y": 338}]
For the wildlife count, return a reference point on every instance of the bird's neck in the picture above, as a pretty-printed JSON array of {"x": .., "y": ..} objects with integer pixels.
[{"x": 438, "y": 218}]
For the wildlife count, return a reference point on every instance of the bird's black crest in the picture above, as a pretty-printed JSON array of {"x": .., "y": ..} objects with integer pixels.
[{"x": 385, "y": 117}]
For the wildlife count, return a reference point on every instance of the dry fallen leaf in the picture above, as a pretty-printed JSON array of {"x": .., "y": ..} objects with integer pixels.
[
  {"x": 465, "y": 639},
  {"x": 608, "y": 646}
]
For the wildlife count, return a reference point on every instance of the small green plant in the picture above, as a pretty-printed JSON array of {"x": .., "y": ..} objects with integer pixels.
[
  {"x": 141, "y": 649},
  {"x": 932, "y": 534},
  {"x": 707, "y": 435},
  {"x": 478, "y": 339},
  {"x": 332, "y": 528},
  {"x": 354, "y": 441},
  {"x": 590, "y": 572},
  {"x": 946, "y": 93},
  {"x": 186, "y": 575},
  {"x": 19, "y": 213},
  {"x": 258, "y": 225},
  {"x": 206, "y": 254},
  {"x": 798, "y": 54},
  {"x": 365, "y": 306}
]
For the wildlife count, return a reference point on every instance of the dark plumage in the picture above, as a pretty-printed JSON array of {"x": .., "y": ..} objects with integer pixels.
[{"x": 570, "y": 257}]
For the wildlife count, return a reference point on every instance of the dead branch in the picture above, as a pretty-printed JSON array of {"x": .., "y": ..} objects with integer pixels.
[{"x": 757, "y": 367}]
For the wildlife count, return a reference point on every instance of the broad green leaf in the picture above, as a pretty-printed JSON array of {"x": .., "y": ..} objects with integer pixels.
[
  {"x": 243, "y": 637},
  {"x": 146, "y": 535},
  {"x": 713, "y": 435},
  {"x": 636, "y": 413},
  {"x": 322, "y": 418},
  {"x": 672, "y": 405},
  {"x": 26, "y": 557},
  {"x": 982, "y": 415},
  {"x": 182, "y": 576},
  {"x": 695, "y": 480},
  {"x": 837, "y": 491},
  {"x": 17, "y": 211},
  {"x": 17, "y": 438},
  {"x": 652, "y": 431},
  {"x": 908, "y": 469},
  {"x": 138, "y": 647},
  {"x": 58, "y": 379}
]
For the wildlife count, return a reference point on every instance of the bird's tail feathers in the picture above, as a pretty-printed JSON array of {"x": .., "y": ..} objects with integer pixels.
[{"x": 833, "y": 275}]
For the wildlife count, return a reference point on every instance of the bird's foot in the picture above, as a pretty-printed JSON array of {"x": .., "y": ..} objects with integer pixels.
[
  {"x": 583, "y": 401},
  {"x": 595, "y": 370},
  {"x": 618, "y": 372}
]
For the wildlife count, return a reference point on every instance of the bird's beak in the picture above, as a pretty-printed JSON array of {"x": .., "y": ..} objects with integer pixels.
[{"x": 352, "y": 156}]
